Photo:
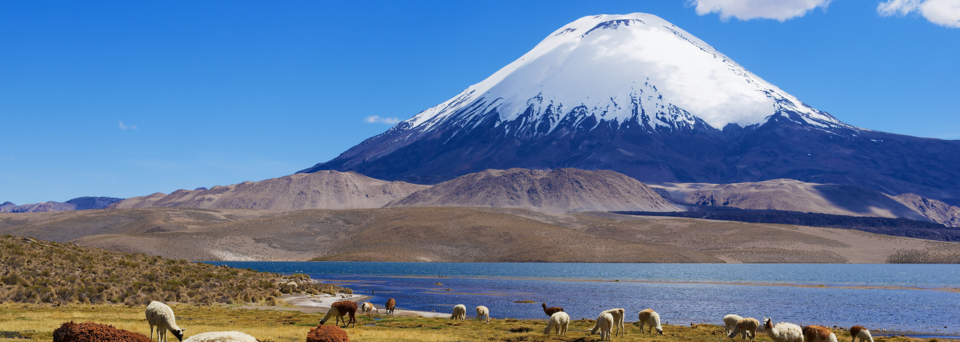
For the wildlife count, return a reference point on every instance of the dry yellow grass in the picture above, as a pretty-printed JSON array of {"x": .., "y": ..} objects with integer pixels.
[{"x": 20, "y": 322}]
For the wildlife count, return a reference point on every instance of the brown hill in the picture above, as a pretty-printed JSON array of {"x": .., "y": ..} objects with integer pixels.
[
  {"x": 458, "y": 235},
  {"x": 792, "y": 195},
  {"x": 561, "y": 190},
  {"x": 321, "y": 190}
]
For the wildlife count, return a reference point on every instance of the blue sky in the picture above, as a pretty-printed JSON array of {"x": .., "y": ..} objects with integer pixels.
[{"x": 126, "y": 99}]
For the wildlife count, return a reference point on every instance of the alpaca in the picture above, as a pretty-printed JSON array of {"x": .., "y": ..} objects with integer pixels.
[
  {"x": 368, "y": 307},
  {"x": 783, "y": 332},
  {"x": 89, "y": 331},
  {"x": 459, "y": 312},
  {"x": 550, "y": 311},
  {"x": 339, "y": 309},
  {"x": 605, "y": 322},
  {"x": 161, "y": 316},
  {"x": 558, "y": 322},
  {"x": 650, "y": 317},
  {"x": 618, "y": 315},
  {"x": 483, "y": 312},
  {"x": 816, "y": 333},
  {"x": 221, "y": 336},
  {"x": 857, "y": 331},
  {"x": 730, "y": 321},
  {"x": 391, "y": 305},
  {"x": 745, "y": 327}
]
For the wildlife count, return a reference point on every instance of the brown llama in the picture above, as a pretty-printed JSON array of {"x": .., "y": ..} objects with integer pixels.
[
  {"x": 391, "y": 305},
  {"x": 551, "y": 311},
  {"x": 816, "y": 333},
  {"x": 860, "y": 332},
  {"x": 339, "y": 309}
]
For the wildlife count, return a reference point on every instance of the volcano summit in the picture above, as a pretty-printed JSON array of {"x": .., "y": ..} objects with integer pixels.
[{"x": 640, "y": 96}]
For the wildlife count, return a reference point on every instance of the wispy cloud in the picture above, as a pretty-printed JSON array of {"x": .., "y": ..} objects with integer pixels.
[
  {"x": 377, "y": 119},
  {"x": 941, "y": 12},
  {"x": 125, "y": 127},
  {"x": 780, "y": 10}
]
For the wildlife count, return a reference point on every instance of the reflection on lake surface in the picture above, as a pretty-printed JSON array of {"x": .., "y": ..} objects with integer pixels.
[{"x": 681, "y": 293}]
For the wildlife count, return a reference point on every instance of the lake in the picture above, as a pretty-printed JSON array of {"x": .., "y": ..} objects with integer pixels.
[{"x": 834, "y": 294}]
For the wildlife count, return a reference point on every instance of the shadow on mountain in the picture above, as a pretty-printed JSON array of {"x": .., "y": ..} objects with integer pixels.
[{"x": 861, "y": 201}]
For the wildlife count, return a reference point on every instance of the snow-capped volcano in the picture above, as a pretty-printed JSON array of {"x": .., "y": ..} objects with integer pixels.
[
  {"x": 616, "y": 68},
  {"x": 640, "y": 96}
]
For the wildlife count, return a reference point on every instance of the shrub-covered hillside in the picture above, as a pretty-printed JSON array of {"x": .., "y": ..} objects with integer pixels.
[{"x": 36, "y": 271}]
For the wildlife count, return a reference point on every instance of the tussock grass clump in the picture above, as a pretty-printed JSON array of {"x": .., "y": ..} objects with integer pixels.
[{"x": 56, "y": 273}]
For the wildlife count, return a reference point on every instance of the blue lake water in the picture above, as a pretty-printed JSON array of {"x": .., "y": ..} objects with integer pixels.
[{"x": 681, "y": 293}]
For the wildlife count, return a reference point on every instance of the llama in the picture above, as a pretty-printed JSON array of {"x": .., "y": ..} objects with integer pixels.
[
  {"x": 558, "y": 322},
  {"x": 221, "y": 336},
  {"x": 730, "y": 321},
  {"x": 605, "y": 322},
  {"x": 459, "y": 312},
  {"x": 816, "y": 333},
  {"x": 391, "y": 305},
  {"x": 89, "y": 331},
  {"x": 783, "y": 332},
  {"x": 161, "y": 316},
  {"x": 368, "y": 307},
  {"x": 339, "y": 309},
  {"x": 857, "y": 331},
  {"x": 651, "y": 318},
  {"x": 745, "y": 327},
  {"x": 618, "y": 315},
  {"x": 550, "y": 311},
  {"x": 483, "y": 312}
]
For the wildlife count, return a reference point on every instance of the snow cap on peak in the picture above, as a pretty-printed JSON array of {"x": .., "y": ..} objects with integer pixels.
[{"x": 608, "y": 65}]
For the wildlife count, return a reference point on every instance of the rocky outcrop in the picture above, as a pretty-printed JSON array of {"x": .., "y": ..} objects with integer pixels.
[{"x": 935, "y": 210}]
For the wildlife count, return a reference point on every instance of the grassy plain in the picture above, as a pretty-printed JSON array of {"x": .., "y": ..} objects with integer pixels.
[{"x": 21, "y": 322}]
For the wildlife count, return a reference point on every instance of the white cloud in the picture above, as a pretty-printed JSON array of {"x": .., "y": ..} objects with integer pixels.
[
  {"x": 780, "y": 10},
  {"x": 122, "y": 126},
  {"x": 940, "y": 12},
  {"x": 377, "y": 119}
]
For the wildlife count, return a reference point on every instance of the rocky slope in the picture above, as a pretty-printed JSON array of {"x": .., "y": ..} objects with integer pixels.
[
  {"x": 935, "y": 210},
  {"x": 793, "y": 195},
  {"x": 562, "y": 190},
  {"x": 321, "y": 190}
]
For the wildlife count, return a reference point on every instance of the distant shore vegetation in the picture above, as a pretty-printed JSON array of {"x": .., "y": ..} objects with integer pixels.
[{"x": 44, "y": 272}]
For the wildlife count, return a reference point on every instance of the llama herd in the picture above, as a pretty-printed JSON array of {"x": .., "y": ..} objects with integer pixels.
[
  {"x": 161, "y": 319},
  {"x": 788, "y": 332}
]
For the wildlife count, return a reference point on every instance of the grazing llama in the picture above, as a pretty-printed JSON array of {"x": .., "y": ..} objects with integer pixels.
[
  {"x": 161, "y": 316},
  {"x": 558, "y": 322},
  {"x": 783, "y": 332}
]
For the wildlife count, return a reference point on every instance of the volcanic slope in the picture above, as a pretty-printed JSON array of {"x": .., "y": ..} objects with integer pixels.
[
  {"x": 562, "y": 190},
  {"x": 793, "y": 195},
  {"x": 321, "y": 190},
  {"x": 638, "y": 95},
  {"x": 459, "y": 235}
]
